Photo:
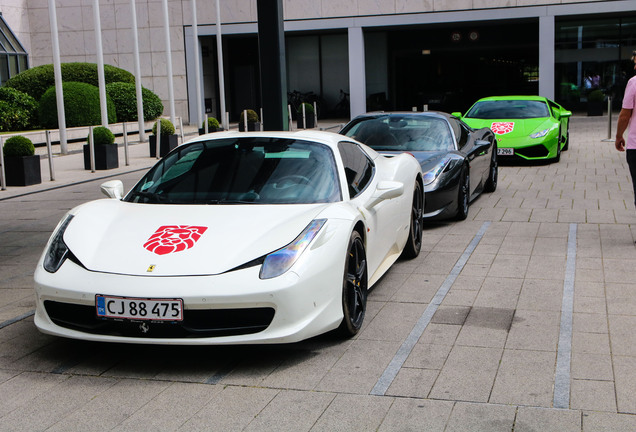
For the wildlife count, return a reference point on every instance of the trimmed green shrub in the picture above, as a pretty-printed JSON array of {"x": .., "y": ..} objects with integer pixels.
[
  {"x": 12, "y": 118},
  {"x": 18, "y": 146},
  {"x": 167, "y": 128},
  {"x": 81, "y": 106},
  {"x": 252, "y": 117},
  {"x": 36, "y": 81},
  {"x": 213, "y": 124},
  {"x": 596, "y": 96},
  {"x": 124, "y": 96},
  {"x": 102, "y": 136},
  {"x": 20, "y": 111},
  {"x": 309, "y": 108}
]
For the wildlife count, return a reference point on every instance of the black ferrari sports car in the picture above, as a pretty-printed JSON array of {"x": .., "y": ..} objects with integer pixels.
[{"x": 458, "y": 162}]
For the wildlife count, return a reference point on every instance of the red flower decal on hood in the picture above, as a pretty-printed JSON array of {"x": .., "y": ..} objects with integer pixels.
[
  {"x": 501, "y": 128},
  {"x": 174, "y": 238}
]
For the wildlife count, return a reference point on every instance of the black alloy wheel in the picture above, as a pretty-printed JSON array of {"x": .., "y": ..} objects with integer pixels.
[
  {"x": 557, "y": 158},
  {"x": 354, "y": 289},
  {"x": 463, "y": 196},
  {"x": 493, "y": 173},
  {"x": 414, "y": 242}
]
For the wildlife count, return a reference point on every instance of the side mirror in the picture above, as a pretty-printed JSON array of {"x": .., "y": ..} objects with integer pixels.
[
  {"x": 481, "y": 147},
  {"x": 566, "y": 113},
  {"x": 113, "y": 189},
  {"x": 386, "y": 190},
  {"x": 457, "y": 114}
]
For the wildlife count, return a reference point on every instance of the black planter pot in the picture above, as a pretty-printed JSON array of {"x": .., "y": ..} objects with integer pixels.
[
  {"x": 309, "y": 120},
  {"x": 251, "y": 127},
  {"x": 106, "y": 157},
  {"x": 22, "y": 170},
  {"x": 168, "y": 142},
  {"x": 595, "y": 108},
  {"x": 210, "y": 130}
]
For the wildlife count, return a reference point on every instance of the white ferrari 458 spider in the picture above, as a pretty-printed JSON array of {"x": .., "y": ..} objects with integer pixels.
[{"x": 233, "y": 238}]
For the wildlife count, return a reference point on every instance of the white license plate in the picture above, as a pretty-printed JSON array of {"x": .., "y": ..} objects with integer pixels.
[
  {"x": 139, "y": 308},
  {"x": 505, "y": 151}
]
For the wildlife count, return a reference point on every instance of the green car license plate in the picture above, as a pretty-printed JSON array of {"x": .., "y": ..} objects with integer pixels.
[{"x": 505, "y": 151}]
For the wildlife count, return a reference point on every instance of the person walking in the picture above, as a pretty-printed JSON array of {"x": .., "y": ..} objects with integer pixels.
[{"x": 625, "y": 118}]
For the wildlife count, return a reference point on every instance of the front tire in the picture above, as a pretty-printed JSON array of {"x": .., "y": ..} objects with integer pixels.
[
  {"x": 557, "y": 158},
  {"x": 354, "y": 288},
  {"x": 493, "y": 173},
  {"x": 463, "y": 196},
  {"x": 414, "y": 242}
]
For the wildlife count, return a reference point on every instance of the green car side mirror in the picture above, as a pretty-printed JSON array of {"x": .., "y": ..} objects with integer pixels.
[{"x": 457, "y": 114}]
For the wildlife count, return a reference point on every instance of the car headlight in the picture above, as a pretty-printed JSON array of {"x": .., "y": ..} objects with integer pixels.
[
  {"x": 540, "y": 133},
  {"x": 57, "y": 251},
  {"x": 278, "y": 262},
  {"x": 430, "y": 175}
]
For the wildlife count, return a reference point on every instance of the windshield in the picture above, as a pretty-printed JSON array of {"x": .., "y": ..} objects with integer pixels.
[
  {"x": 242, "y": 171},
  {"x": 508, "y": 109},
  {"x": 402, "y": 133}
]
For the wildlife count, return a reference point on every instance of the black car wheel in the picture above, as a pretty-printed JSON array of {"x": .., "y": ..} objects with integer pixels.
[
  {"x": 463, "y": 196},
  {"x": 493, "y": 173},
  {"x": 354, "y": 289},
  {"x": 414, "y": 242},
  {"x": 557, "y": 158}
]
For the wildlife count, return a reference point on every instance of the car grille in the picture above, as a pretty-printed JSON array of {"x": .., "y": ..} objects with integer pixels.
[
  {"x": 197, "y": 323},
  {"x": 535, "y": 151}
]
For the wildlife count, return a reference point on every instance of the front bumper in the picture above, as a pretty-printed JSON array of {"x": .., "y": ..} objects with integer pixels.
[
  {"x": 231, "y": 308},
  {"x": 530, "y": 149}
]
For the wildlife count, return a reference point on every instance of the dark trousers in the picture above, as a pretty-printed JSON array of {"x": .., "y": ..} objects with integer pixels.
[{"x": 631, "y": 162}]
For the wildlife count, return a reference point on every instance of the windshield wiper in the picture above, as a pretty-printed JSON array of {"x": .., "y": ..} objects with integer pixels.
[
  {"x": 150, "y": 196},
  {"x": 229, "y": 201}
]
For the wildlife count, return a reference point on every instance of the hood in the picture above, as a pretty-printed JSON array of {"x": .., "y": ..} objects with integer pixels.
[
  {"x": 128, "y": 238},
  {"x": 512, "y": 128}
]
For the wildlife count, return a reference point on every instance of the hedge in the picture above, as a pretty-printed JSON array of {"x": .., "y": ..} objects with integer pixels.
[
  {"x": 81, "y": 106},
  {"x": 18, "y": 111},
  {"x": 124, "y": 96},
  {"x": 36, "y": 81}
]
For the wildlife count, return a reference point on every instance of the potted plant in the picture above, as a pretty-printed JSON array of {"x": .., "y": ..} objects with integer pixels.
[
  {"x": 309, "y": 116},
  {"x": 252, "y": 121},
  {"x": 595, "y": 103},
  {"x": 169, "y": 139},
  {"x": 105, "y": 150},
  {"x": 213, "y": 126},
  {"x": 22, "y": 165}
]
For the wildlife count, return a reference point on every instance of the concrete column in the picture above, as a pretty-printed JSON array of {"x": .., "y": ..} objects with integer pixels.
[
  {"x": 546, "y": 56},
  {"x": 357, "y": 77}
]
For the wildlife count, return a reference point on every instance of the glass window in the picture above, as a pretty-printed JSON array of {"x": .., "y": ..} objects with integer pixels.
[
  {"x": 13, "y": 65},
  {"x": 13, "y": 57},
  {"x": 464, "y": 133},
  {"x": 402, "y": 132},
  {"x": 358, "y": 167},
  {"x": 4, "y": 68},
  {"x": 508, "y": 109},
  {"x": 593, "y": 54},
  {"x": 242, "y": 171}
]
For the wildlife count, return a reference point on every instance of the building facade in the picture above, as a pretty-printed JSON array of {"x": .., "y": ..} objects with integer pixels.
[{"x": 362, "y": 54}]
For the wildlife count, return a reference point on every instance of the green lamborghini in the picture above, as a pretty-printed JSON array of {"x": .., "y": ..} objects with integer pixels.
[{"x": 527, "y": 127}]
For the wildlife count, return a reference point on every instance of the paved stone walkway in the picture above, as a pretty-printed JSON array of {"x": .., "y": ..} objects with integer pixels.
[{"x": 541, "y": 271}]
